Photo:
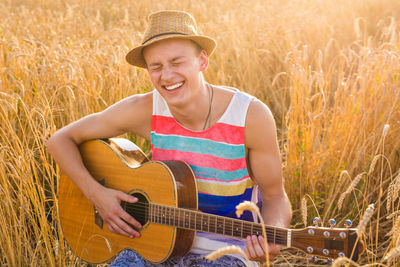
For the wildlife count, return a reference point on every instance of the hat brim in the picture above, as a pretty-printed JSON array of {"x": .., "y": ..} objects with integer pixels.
[{"x": 135, "y": 56}]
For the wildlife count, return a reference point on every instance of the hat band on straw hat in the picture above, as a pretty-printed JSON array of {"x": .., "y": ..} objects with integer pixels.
[{"x": 165, "y": 33}]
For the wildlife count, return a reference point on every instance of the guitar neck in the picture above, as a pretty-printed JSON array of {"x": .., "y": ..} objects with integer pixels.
[{"x": 209, "y": 223}]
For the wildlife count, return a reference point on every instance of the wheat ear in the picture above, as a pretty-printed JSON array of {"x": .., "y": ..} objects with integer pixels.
[
  {"x": 393, "y": 253},
  {"x": 343, "y": 260},
  {"x": 225, "y": 251},
  {"x": 365, "y": 219},
  {"x": 349, "y": 189},
  {"x": 304, "y": 210}
]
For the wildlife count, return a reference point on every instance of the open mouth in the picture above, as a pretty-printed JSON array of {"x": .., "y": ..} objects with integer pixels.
[{"x": 173, "y": 86}]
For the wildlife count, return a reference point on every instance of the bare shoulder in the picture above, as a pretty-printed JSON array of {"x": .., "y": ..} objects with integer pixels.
[
  {"x": 138, "y": 105},
  {"x": 260, "y": 125},
  {"x": 133, "y": 113}
]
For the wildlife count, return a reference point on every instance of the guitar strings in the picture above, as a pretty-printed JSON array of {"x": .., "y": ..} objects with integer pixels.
[
  {"x": 280, "y": 235},
  {"x": 142, "y": 212}
]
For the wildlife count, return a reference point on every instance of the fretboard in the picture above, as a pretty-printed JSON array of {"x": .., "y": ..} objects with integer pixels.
[{"x": 204, "y": 222}]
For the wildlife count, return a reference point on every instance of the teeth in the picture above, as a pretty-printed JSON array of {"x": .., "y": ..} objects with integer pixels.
[{"x": 172, "y": 87}]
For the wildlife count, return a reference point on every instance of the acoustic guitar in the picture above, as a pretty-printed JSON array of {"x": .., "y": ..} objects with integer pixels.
[{"x": 167, "y": 210}]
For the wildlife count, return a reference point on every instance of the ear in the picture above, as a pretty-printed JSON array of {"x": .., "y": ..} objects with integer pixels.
[{"x": 203, "y": 60}]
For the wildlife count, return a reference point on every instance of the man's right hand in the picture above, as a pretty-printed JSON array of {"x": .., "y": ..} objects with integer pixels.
[{"x": 108, "y": 203}]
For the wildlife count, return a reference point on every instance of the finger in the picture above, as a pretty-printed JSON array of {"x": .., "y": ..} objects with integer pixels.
[
  {"x": 126, "y": 197},
  {"x": 257, "y": 247},
  {"x": 129, "y": 219},
  {"x": 250, "y": 248},
  {"x": 274, "y": 250},
  {"x": 114, "y": 228},
  {"x": 126, "y": 230},
  {"x": 261, "y": 242},
  {"x": 110, "y": 227},
  {"x": 246, "y": 251}
]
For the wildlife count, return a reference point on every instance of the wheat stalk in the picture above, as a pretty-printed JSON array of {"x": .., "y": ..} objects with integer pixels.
[{"x": 248, "y": 205}]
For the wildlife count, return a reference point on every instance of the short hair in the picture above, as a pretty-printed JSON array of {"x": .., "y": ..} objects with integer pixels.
[{"x": 197, "y": 46}]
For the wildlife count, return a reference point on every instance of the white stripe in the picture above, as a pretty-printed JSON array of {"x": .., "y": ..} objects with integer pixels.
[{"x": 235, "y": 114}]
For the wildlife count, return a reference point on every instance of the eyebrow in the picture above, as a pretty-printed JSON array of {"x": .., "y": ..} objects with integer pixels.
[
  {"x": 172, "y": 60},
  {"x": 177, "y": 58}
]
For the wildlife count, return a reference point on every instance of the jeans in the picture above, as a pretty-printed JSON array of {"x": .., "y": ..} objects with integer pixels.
[{"x": 129, "y": 258}]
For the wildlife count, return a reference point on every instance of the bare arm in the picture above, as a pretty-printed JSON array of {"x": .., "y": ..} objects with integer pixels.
[
  {"x": 265, "y": 166},
  {"x": 131, "y": 114}
]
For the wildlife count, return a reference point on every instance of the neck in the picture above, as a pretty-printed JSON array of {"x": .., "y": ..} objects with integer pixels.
[
  {"x": 198, "y": 221},
  {"x": 193, "y": 114}
]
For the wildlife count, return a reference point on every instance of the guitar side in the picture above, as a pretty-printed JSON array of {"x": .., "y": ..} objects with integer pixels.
[{"x": 119, "y": 167}]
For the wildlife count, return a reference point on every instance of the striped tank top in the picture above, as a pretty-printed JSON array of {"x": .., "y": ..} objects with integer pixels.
[
  {"x": 216, "y": 155},
  {"x": 218, "y": 160}
]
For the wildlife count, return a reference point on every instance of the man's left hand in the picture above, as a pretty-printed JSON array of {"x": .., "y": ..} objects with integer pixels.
[{"x": 255, "y": 249}]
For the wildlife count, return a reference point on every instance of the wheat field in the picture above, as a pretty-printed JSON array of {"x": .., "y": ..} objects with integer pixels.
[{"x": 328, "y": 70}]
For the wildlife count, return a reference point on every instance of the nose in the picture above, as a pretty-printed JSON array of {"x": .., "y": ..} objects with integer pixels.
[{"x": 166, "y": 73}]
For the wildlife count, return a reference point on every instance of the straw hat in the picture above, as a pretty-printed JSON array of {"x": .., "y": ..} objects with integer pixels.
[{"x": 166, "y": 25}]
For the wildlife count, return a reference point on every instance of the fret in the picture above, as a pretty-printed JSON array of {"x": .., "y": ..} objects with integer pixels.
[
  {"x": 201, "y": 215},
  {"x": 236, "y": 228},
  {"x": 258, "y": 230},
  {"x": 153, "y": 211},
  {"x": 190, "y": 220},
  {"x": 205, "y": 222},
  {"x": 164, "y": 220},
  {"x": 195, "y": 221},
  {"x": 251, "y": 232},
  {"x": 169, "y": 212},
  {"x": 220, "y": 221},
  {"x": 166, "y": 215},
  {"x": 185, "y": 219},
  {"x": 156, "y": 213},
  {"x": 171, "y": 216},
  {"x": 241, "y": 232},
  {"x": 175, "y": 221},
  {"x": 274, "y": 235},
  {"x": 160, "y": 214},
  {"x": 212, "y": 224},
  {"x": 246, "y": 229},
  {"x": 208, "y": 226},
  {"x": 228, "y": 227},
  {"x": 178, "y": 218}
]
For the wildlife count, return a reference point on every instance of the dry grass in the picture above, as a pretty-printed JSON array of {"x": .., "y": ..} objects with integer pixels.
[{"x": 329, "y": 70}]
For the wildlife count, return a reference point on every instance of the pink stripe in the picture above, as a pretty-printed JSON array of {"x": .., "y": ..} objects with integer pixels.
[
  {"x": 220, "y": 132},
  {"x": 201, "y": 160},
  {"x": 212, "y": 179}
]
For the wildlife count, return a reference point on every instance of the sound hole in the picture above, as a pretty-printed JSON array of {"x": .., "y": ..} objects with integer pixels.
[{"x": 138, "y": 210}]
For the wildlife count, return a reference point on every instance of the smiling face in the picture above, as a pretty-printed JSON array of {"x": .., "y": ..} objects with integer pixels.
[{"x": 175, "y": 67}]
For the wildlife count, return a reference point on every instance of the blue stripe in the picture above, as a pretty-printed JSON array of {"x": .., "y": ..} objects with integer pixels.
[
  {"x": 219, "y": 174},
  {"x": 222, "y": 205},
  {"x": 197, "y": 145}
]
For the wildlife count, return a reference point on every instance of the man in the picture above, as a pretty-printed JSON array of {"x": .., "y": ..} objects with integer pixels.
[{"x": 226, "y": 136}]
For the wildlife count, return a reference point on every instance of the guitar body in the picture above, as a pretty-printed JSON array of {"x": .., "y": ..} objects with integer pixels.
[{"x": 119, "y": 164}]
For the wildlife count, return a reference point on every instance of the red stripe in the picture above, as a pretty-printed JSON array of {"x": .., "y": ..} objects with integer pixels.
[
  {"x": 201, "y": 160},
  {"x": 219, "y": 132}
]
